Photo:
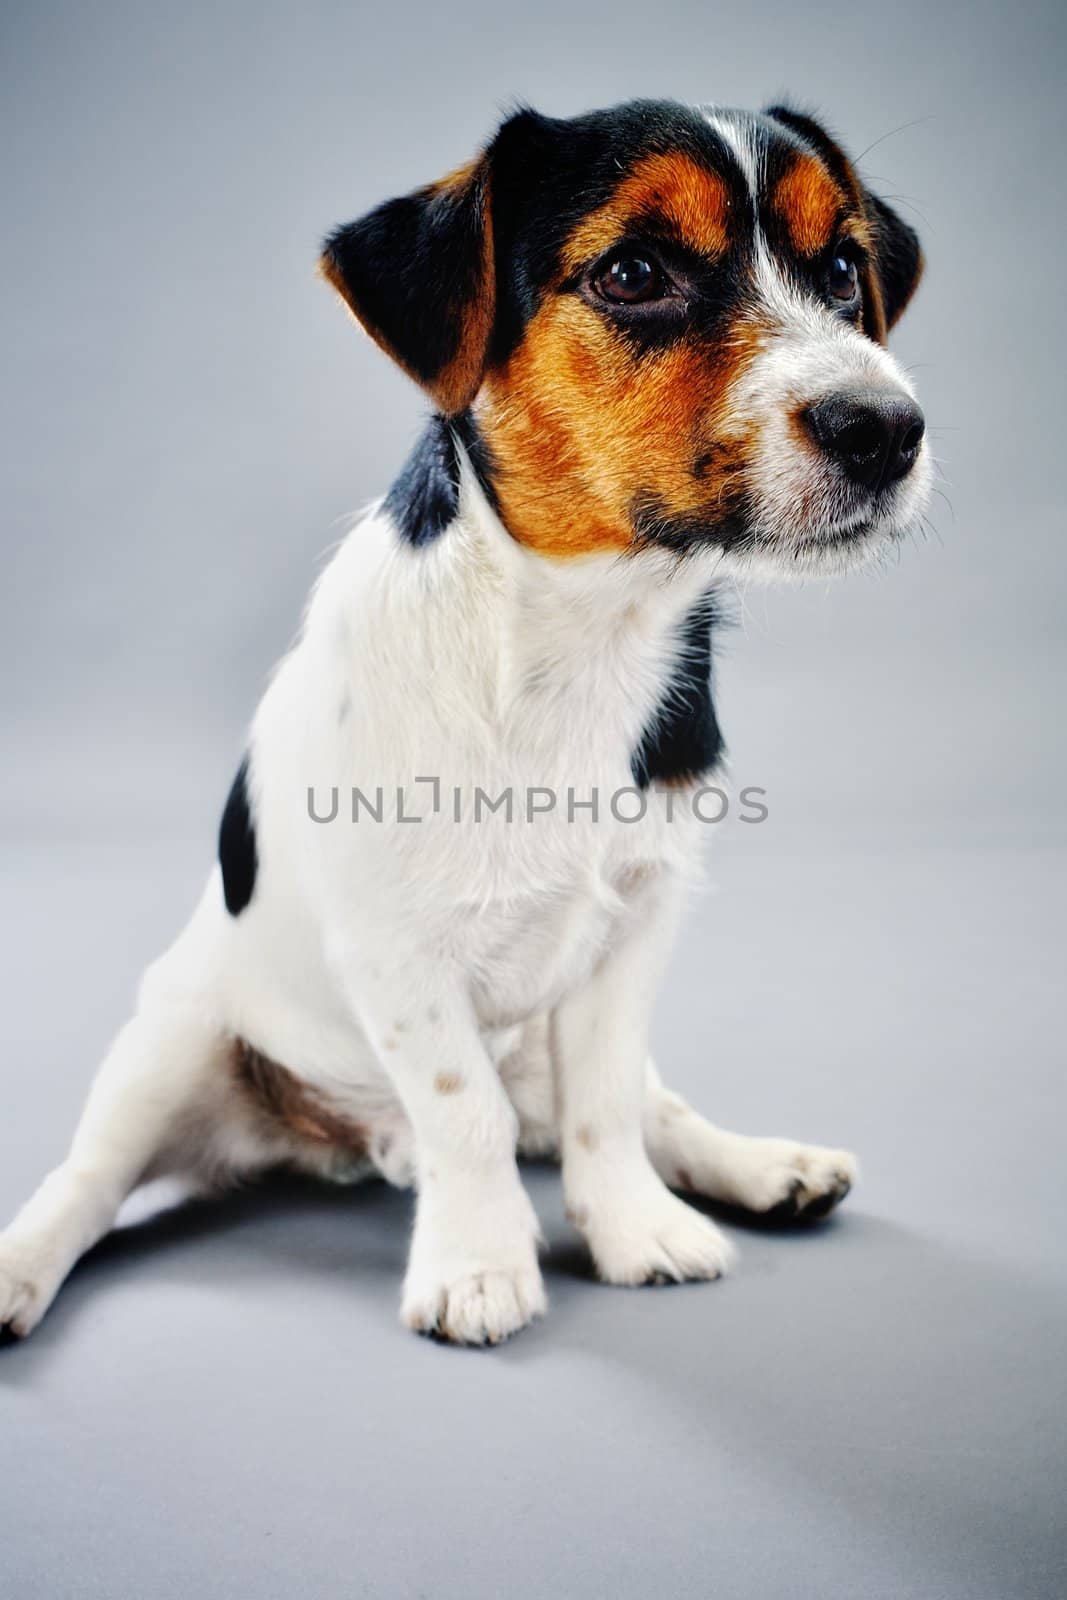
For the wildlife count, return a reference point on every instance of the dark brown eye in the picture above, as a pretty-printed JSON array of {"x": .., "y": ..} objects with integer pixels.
[
  {"x": 843, "y": 278},
  {"x": 631, "y": 279}
]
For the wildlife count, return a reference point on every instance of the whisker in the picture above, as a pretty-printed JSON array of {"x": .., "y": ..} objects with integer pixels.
[
  {"x": 942, "y": 495},
  {"x": 904, "y": 126}
]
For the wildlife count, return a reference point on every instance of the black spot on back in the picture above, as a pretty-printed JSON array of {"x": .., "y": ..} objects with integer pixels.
[
  {"x": 425, "y": 497},
  {"x": 683, "y": 740},
  {"x": 237, "y": 845}
]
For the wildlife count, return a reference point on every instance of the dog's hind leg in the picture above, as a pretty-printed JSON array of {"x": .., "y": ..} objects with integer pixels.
[
  {"x": 144, "y": 1118},
  {"x": 770, "y": 1176}
]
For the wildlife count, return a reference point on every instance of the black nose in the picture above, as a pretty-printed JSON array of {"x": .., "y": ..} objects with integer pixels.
[{"x": 873, "y": 437}]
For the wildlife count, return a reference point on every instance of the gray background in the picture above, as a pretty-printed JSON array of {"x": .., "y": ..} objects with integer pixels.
[{"x": 222, "y": 1403}]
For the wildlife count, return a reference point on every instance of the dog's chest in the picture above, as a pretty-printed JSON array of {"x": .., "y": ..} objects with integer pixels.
[
  {"x": 508, "y": 712},
  {"x": 561, "y": 895}
]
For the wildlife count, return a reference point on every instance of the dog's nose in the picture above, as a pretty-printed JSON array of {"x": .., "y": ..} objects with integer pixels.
[{"x": 873, "y": 437}]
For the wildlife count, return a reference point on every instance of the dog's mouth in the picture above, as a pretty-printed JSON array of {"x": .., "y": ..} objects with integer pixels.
[
  {"x": 846, "y": 529},
  {"x": 746, "y": 532},
  {"x": 852, "y": 530},
  {"x": 833, "y": 547},
  {"x": 809, "y": 526}
]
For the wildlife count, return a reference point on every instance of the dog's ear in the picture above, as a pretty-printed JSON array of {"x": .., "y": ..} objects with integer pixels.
[
  {"x": 418, "y": 273},
  {"x": 898, "y": 258},
  {"x": 899, "y": 254}
]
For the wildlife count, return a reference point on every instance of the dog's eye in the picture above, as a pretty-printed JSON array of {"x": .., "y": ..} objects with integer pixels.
[
  {"x": 842, "y": 277},
  {"x": 628, "y": 280}
]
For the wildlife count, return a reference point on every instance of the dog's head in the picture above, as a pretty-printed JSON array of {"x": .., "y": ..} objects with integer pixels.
[{"x": 670, "y": 325}]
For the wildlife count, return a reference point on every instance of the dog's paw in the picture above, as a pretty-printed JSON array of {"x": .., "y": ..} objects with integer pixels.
[
  {"x": 27, "y": 1288},
  {"x": 778, "y": 1178},
  {"x": 654, "y": 1239},
  {"x": 473, "y": 1275},
  {"x": 471, "y": 1303}
]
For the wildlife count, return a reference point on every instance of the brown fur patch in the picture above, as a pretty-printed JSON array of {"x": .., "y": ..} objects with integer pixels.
[
  {"x": 576, "y": 425},
  {"x": 587, "y": 1137},
  {"x": 809, "y": 203},
  {"x": 449, "y": 1082},
  {"x": 303, "y": 1112},
  {"x": 685, "y": 1180},
  {"x": 693, "y": 202}
]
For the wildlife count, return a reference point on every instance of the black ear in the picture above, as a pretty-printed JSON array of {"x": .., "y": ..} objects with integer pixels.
[
  {"x": 418, "y": 273},
  {"x": 898, "y": 256}
]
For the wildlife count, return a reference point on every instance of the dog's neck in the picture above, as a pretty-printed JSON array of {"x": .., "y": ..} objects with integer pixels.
[
  {"x": 584, "y": 601},
  {"x": 604, "y": 634},
  {"x": 547, "y": 500},
  {"x": 610, "y": 647}
]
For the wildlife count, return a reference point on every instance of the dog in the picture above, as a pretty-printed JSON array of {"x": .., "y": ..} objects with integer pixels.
[{"x": 452, "y": 862}]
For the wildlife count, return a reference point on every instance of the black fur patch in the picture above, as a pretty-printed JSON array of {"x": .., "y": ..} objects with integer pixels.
[
  {"x": 412, "y": 265},
  {"x": 237, "y": 845},
  {"x": 900, "y": 260},
  {"x": 654, "y": 525},
  {"x": 425, "y": 497},
  {"x": 549, "y": 173},
  {"x": 479, "y": 454},
  {"x": 683, "y": 741}
]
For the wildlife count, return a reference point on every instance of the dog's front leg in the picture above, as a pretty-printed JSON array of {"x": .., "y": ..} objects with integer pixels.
[
  {"x": 637, "y": 1230},
  {"x": 473, "y": 1275}
]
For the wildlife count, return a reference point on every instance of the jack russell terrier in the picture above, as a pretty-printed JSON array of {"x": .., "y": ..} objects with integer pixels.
[{"x": 451, "y": 864}]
